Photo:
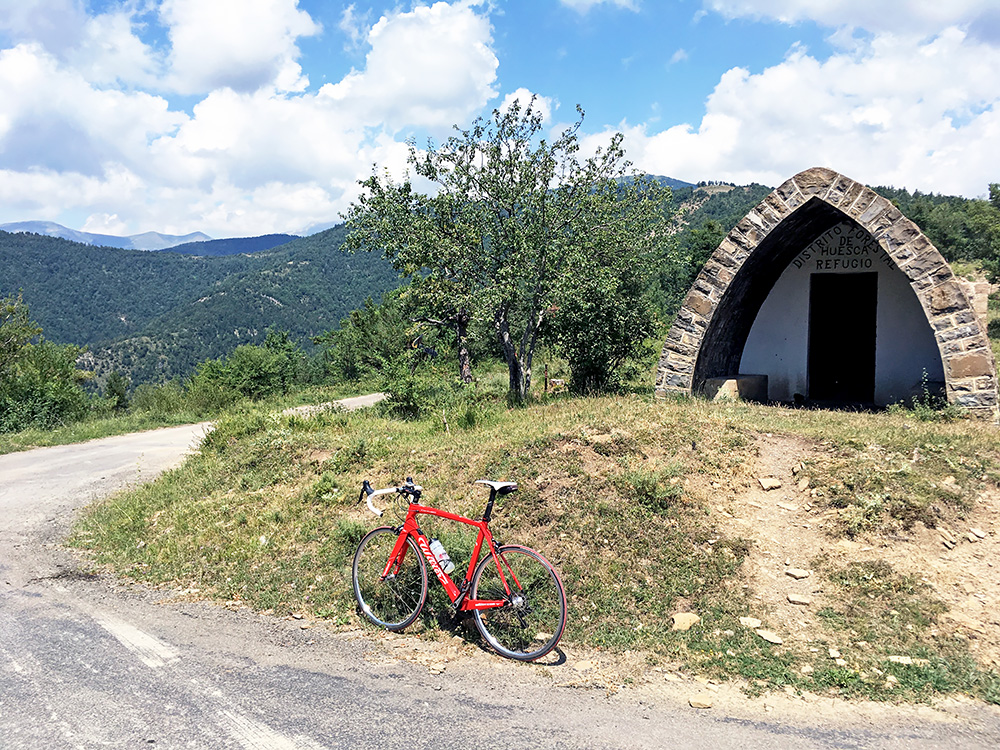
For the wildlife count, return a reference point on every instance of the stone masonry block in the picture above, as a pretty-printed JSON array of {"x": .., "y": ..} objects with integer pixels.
[
  {"x": 926, "y": 264},
  {"x": 974, "y": 365},
  {"x": 837, "y": 191},
  {"x": 777, "y": 205},
  {"x": 851, "y": 196},
  {"x": 788, "y": 191},
  {"x": 955, "y": 334},
  {"x": 724, "y": 257},
  {"x": 901, "y": 232},
  {"x": 815, "y": 181},
  {"x": 948, "y": 298},
  {"x": 875, "y": 208},
  {"x": 699, "y": 304}
]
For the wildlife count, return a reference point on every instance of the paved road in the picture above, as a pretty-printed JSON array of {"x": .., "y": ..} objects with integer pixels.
[{"x": 86, "y": 662}]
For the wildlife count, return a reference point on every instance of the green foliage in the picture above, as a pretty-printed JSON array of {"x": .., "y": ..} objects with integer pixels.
[
  {"x": 16, "y": 331},
  {"x": 159, "y": 400},
  {"x": 511, "y": 232},
  {"x": 962, "y": 229},
  {"x": 251, "y": 371},
  {"x": 928, "y": 405},
  {"x": 155, "y": 316},
  {"x": 116, "y": 391},
  {"x": 604, "y": 311},
  {"x": 40, "y": 385},
  {"x": 368, "y": 340}
]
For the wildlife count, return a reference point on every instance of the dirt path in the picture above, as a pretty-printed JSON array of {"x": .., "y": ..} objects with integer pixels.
[{"x": 791, "y": 529}]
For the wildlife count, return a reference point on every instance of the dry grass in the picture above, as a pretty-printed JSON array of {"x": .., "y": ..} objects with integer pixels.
[{"x": 618, "y": 492}]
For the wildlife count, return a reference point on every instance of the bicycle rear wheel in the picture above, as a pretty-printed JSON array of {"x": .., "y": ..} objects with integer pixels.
[
  {"x": 395, "y": 601},
  {"x": 531, "y": 622}
]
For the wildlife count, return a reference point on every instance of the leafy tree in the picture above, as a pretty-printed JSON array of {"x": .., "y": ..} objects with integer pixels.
[
  {"x": 513, "y": 219},
  {"x": 116, "y": 391},
  {"x": 603, "y": 322},
  {"x": 16, "y": 331},
  {"x": 368, "y": 339},
  {"x": 40, "y": 385},
  {"x": 251, "y": 370}
]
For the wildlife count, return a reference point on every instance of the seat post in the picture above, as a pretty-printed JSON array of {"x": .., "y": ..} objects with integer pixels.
[{"x": 488, "y": 513}]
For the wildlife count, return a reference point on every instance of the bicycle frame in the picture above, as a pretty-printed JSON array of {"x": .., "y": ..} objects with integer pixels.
[{"x": 456, "y": 594}]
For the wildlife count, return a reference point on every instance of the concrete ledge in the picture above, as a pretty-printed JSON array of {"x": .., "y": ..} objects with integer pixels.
[{"x": 738, "y": 388}]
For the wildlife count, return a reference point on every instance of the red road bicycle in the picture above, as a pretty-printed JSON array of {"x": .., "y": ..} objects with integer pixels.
[{"x": 513, "y": 593}]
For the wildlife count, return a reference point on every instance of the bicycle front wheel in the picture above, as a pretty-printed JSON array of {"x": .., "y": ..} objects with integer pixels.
[
  {"x": 392, "y": 602},
  {"x": 531, "y": 622}
]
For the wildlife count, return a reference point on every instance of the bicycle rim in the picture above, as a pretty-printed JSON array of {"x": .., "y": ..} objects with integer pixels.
[
  {"x": 531, "y": 623},
  {"x": 395, "y": 602}
]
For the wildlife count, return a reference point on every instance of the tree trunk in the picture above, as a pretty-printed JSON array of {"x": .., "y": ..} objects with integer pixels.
[
  {"x": 516, "y": 386},
  {"x": 464, "y": 358}
]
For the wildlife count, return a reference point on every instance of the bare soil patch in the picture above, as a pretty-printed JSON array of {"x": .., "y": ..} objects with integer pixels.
[{"x": 791, "y": 527}]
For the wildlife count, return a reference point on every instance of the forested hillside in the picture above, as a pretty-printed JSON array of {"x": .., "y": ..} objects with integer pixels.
[
  {"x": 157, "y": 315},
  {"x": 233, "y": 246}
]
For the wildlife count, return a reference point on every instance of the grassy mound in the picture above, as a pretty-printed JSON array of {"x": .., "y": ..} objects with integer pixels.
[{"x": 619, "y": 493}]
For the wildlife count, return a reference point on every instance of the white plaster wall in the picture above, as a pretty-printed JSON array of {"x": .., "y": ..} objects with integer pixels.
[{"x": 778, "y": 344}]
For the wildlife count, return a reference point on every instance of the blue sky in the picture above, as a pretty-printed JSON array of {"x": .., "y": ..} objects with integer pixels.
[{"x": 243, "y": 117}]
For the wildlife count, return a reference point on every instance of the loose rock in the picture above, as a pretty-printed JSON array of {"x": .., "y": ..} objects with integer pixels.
[
  {"x": 770, "y": 637},
  {"x": 684, "y": 620},
  {"x": 797, "y": 573},
  {"x": 750, "y": 622},
  {"x": 699, "y": 702},
  {"x": 799, "y": 599},
  {"x": 769, "y": 483}
]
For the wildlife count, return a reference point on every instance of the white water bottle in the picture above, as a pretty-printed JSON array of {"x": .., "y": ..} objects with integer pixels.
[{"x": 442, "y": 556}]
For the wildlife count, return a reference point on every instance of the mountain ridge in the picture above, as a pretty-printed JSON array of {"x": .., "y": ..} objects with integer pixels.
[{"x": 142, "y": 241}]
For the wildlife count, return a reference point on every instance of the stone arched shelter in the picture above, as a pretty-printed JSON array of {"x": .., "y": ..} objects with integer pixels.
[{"x": 710, "y": 332}]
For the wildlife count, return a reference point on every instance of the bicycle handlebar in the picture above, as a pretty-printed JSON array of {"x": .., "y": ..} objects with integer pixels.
[{"x": 409, "y": 488}]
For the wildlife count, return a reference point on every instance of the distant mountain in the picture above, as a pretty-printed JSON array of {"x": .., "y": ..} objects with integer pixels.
[
  {"x": 154, "y": 316},
  {"x": 233, "y": 246},
  {"x": 144, "y": 241},
  {"x": 671, "y": 183}
]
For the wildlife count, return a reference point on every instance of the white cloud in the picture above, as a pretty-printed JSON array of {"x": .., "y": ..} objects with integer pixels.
[
  {"x": 582, "y": 6},
  {"x": 922, "y": 17},
  {"x": 428, "y": 68},
  {"x": 896, "y": 114},
  {"x": 103, "y": 223},
  {"x": 544, "y": 105},
  {"x": 53, "y": 118},
  {"x": 354, "y": 26},
  {"x": 256, "y": 153},
  {"x": 244, "y": 45},
  {"x": 54, "y": 24},
  {"x": 109, "y": 52},
  {"x": 679, "y": 56}
]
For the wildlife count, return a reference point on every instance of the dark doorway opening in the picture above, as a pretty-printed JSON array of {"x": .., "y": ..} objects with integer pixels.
[{"x": 842, "y": 309}]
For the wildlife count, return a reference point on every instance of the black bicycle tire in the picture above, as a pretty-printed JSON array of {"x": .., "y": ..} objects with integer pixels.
[
  {"x": 370, "y": 604},
  {"x": 494, "y": 624}
]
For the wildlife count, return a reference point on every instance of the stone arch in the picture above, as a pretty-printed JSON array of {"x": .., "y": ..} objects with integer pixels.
[{"x": 711, "y": 329}]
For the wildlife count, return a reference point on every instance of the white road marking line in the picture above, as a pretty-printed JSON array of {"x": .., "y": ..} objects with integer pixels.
[
  {"x": 153, "y": 652},
  {"x": 254, "y": 735}
]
